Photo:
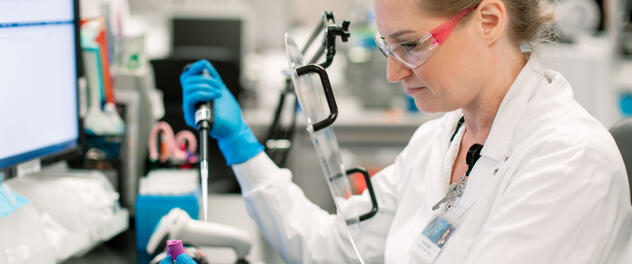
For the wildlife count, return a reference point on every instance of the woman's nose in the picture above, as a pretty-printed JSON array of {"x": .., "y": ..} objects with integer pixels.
[{"x": 396, "y": 70}]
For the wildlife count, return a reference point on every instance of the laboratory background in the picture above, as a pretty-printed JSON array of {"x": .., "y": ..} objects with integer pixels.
[{"x": 97, "y": 164}]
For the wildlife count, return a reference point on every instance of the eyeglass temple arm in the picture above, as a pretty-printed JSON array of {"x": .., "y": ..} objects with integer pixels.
[{"x": 442, "y": 32}]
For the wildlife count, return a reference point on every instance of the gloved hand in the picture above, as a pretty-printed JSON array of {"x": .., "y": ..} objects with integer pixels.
[
  {"x": 234, "y": 137},
  {"x": 181, "y": 259}
]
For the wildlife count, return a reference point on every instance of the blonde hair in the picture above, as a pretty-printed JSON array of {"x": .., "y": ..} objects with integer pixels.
[{"x": 529, "y": 20}]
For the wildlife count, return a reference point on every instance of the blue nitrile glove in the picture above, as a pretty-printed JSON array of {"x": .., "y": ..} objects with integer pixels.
[
  {"x": 234, "y": 137},
  {"x": 181, "y": 259}
]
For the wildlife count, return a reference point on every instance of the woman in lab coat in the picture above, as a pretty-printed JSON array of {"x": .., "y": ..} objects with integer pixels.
[{"x": 549, "y": 186}]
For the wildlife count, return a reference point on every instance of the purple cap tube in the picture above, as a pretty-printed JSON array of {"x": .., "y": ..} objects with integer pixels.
[{"x": 174, "y": 248}]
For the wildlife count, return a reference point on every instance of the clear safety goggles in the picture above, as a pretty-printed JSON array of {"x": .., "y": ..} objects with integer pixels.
[{"x": 414, "y": 53}]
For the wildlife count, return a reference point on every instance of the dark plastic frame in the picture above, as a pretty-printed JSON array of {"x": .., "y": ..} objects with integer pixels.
[
  {"x": 369, "y": 187},
  {"x": 329, "y": 94}
]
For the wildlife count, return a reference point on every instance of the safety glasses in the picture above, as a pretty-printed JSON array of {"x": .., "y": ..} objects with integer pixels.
[{"x": 414, "y": 53}]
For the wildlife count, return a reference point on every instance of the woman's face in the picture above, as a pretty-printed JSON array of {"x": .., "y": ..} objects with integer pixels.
[{"x": 450, "y": 78}]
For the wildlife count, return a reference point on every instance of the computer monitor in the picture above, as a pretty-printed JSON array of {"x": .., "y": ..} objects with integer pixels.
[{"x": 38, "y": 80}]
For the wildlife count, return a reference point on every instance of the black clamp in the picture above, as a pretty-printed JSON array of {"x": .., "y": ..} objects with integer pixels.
[{"x": 369, "y": 187}]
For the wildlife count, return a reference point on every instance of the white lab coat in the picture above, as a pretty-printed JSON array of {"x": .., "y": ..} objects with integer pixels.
[{"x": 550, "y": 187}]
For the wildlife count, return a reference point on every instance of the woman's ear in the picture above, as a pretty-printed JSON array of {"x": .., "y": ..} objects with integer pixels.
[{"x": 492, "y": 16}]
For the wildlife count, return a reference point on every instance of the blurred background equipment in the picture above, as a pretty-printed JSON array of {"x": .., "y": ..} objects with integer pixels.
[
  {"x": 577, "y": 17},
  {"x": 626, "y": 26},
  {"x": 102, "y": 118},
  {"x": 54, "y": 212},
  {"x": 208, "y": 37},
  {"x": 171, "y": 149}
]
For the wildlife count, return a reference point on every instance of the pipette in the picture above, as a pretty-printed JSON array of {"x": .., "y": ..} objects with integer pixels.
[{"x": 204, "y": 122}]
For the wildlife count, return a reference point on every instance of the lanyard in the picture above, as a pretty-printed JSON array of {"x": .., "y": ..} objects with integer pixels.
[
  {"x": 456, "y": 189},
  {"x": 436, "y": 234}
]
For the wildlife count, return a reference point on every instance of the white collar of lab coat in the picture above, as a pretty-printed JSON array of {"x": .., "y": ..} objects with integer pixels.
[{"x": 498, "y": 143}]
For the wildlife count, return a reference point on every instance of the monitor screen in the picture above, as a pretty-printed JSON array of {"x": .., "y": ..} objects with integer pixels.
[{"x": 38, "y": 79}]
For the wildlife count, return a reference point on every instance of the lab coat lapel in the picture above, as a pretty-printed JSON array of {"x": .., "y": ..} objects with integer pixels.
[
  {"x": 487, "y": 173},
  {"x": 498, "y": 143}
]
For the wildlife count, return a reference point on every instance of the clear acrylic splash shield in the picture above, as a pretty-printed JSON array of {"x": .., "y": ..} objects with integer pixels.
[{"x": 314, "y": 105}]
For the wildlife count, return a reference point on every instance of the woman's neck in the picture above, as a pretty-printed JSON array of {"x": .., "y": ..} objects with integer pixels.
[{"x": 481, "y": 112}]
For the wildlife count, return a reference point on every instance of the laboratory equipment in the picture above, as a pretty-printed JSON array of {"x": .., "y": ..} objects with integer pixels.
[
  {"x": 278, "y": 140},
  {"x": 321, "y": 111},
  {"x": 178, "y": 149},
  {"x": 236, "y": 141},
  {"x": 38, "y": 83},
  {"x": 174, "y": 248},
  {"x": 190, "y": 255},
  {"x": 142, "y": 104},
  {"x": 179, "y": 225},
  {"x": 204, "y": 122}
]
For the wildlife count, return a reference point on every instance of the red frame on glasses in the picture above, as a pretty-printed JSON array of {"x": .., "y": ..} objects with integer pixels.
[{"x": 442, "y": 32}]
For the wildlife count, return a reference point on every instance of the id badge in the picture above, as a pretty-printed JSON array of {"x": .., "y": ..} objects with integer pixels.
[
  {"x": 433, "y": 239},
  {"x": 435, "y": 236}
]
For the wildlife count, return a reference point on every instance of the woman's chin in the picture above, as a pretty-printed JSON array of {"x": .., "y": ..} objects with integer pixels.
[
  {"x": 433, "y": 106},
  {"x": 426, "y": 107}
]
